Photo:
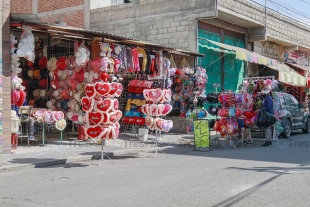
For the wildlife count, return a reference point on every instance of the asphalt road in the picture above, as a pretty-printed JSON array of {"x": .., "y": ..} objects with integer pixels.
[{"x": 249, "y": 176}]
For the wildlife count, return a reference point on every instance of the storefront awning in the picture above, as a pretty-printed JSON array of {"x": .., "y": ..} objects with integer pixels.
[
  {"x": 299, "y": 66},
  {"x": 242, "y": 54},
  {"x": 289, "y": 76},
  {"x": 286, "y": 74}
]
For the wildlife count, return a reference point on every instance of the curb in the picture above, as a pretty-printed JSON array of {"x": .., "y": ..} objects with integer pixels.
[{"x": 72, "y": 159}]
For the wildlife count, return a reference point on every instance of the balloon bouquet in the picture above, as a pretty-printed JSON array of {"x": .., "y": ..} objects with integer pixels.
[{"x": 25, "y": 49}]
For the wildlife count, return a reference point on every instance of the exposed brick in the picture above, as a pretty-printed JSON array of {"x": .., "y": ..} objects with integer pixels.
[
  {"x": 21, "y": 6},
  {"x": 48, "y": 5}
]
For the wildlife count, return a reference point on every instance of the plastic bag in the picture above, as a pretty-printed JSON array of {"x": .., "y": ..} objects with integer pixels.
[
  {"x": 82, "y": 55},
  {"x": 26, "y": 45},
  {"x": 265, "y": 119}
]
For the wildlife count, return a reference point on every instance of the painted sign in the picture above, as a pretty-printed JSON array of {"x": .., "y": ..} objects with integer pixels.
[
  {"x": 268, "y": 49},
  {"x": 201, "y": 135},
  {"x": 296, "y": 57}
]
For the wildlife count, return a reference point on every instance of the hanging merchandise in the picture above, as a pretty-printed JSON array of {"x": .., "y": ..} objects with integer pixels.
[
  {"x": 102, "y": 110},
  {"x": 158, "y": 106},
  {"x": 26, "y": 44},
  {"x": 82, "y": 55},
  {"x": 18, "y": 95}
]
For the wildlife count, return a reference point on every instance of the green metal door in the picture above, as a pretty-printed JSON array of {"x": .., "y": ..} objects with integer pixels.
[
  {"x": 212, "y": 59},
  {"x": 233, "y": 69}
]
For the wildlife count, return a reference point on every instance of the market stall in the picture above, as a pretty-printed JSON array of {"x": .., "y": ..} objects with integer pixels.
[{"x": 102, "y": 85}]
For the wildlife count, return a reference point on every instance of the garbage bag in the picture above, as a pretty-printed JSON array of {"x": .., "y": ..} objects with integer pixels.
[{"x": 265, "y": 119}]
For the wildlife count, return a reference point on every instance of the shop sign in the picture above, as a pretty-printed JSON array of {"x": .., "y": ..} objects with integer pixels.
[
  {"x": 268, "y": 49},
  {"x": 296, "y": 57},
  {"x": 201, "y": 135}
]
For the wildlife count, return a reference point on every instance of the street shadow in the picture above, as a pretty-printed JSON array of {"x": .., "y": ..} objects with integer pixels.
[
  {"x": 294, "y": 150},
  {"x": 43, "y": 163},
  {"x": 278, "y": 171}
]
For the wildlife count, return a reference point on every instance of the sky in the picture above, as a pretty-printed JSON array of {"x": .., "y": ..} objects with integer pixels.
[{"x": 296, "y": 9}]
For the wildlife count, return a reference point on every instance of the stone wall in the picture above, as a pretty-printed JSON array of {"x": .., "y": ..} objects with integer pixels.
[
  {"x": 171, "y": 23},
  {"x": 278, "y": 26}
]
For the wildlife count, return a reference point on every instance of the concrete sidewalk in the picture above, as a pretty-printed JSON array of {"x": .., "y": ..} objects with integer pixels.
[{"x": 74, "y": 151}]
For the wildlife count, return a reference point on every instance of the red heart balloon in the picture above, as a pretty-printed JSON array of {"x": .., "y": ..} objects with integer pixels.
[
  {"x": 86, "y": 104},
  {"x": 90, "y": 90},
  {"x": 93, "y": 131},
  {"x": 115, "y": 105},
  {"x": 102, "y": 88},
  {"x": 114, "y": 88},
  {"x": 119, "y": 90},
  {"x": 94, "y": 118},
  {"x": 105, "y": 105},
  {"x": 155, "y": 94}
]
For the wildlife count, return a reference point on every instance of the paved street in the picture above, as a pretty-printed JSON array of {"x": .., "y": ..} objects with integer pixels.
[{"x": 248, "y": 176}]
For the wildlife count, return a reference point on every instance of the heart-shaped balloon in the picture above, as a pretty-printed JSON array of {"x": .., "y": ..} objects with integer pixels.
[
  {"x": 105, "y": 105},
  {"x": 119, "y": 90},
  {"x": 167, "y": 109},
  {"x": 150, "y": 122},
  {"x": 58, "y": 115},
  {"x": 119, "y": 115},
  {"x": 143, "y": 107},
  {"x": 90, "y": 90},
  {"x": 146, "y": 94},
  {"x": 102, "y": 88},
  {"x": 86, "y": 104},
  {"x": 115, "y": 104},
  {"x": 153, "y": 109},
  {"x": 167, "y": 95},
  {"x": 93, "y": 131},
  {"x": 155, "y": 95},
  {"x": 160, "y": 109},
  {"x": 166, "y": 125},
  {"x": 114, "y": 88},
  {"x": 48, "y": 118},
  {"x": 94, "y": 118}
]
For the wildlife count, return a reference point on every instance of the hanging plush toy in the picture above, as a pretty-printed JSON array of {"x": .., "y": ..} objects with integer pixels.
[
  {"x": 82, "y": 55},
  {"x": 26, "y": 44}
]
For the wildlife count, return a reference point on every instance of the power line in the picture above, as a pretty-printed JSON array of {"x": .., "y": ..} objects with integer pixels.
[
  {"x": 270, "y": 1},
  {"x": 305, "y": 2}
]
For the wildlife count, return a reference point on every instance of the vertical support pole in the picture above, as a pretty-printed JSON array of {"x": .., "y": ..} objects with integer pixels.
[{"x": 5, "y": 58}]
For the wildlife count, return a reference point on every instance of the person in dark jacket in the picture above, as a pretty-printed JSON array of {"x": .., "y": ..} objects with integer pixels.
[{"x": 267, "y": 106}]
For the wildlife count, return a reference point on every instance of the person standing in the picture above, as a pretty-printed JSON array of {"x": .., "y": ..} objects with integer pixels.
[{"x": 268, "y": 107}]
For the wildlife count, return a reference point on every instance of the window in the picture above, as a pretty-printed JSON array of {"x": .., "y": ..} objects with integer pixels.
[
  {"x": 296, "y": 103},
  {"x": 287, "y": 100}
]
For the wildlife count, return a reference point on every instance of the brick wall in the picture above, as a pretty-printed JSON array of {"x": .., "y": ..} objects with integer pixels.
[
  {"x": 21, "y": 6},
  {"x": 168, "y": 22},
  {"x": 73, "y": 19},
  {"x": 48, "y": 5}
]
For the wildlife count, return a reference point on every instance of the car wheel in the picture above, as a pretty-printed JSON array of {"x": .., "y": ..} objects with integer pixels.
[
  {"x": 307, "y": 129},
  {"x": 287, "y": 129}
]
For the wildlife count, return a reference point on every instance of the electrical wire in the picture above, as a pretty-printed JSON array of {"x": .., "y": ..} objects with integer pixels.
[{"x": 273, "y": 2}]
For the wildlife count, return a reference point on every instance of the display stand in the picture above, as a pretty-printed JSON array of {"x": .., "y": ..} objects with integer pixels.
[{"x": 102, "y": 155}]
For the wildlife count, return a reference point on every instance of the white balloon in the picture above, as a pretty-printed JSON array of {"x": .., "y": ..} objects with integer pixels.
[
  {"x": 49, "y": 104},
  {"x": 81, "y": 118},
  {"x": 59, "y": 73},
  {"x": 51, "y": 74},
  {"x": 86, "y": 75},
  {"x": 69, "y": 115},
  {"x": 78, "y": 54},
  {"x": 56, "y": 93},
  {"x": 96, "y": 75},
  {"x": 20, "y": 53}
]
